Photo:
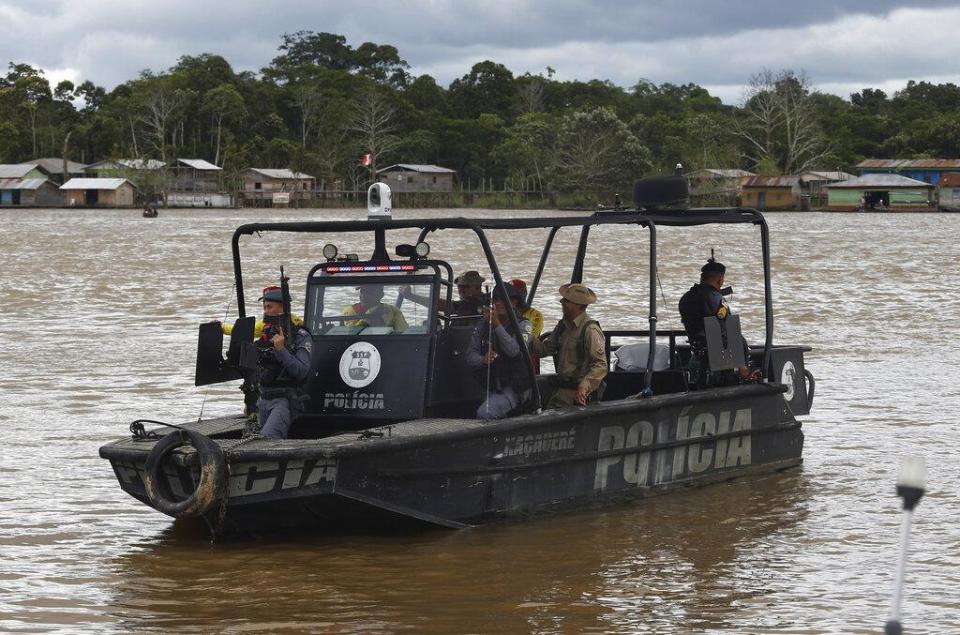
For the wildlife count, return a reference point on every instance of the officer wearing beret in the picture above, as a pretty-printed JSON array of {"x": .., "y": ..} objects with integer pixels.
[
  {"x": 578, "y": 346},
  {"x": 494, "y": 352},
  {"x": 703, "y": 300},
  {"x": 281, "y": 371}
]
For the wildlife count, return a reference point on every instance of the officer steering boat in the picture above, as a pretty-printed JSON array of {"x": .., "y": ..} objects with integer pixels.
[{"x": 384, "y": 423}]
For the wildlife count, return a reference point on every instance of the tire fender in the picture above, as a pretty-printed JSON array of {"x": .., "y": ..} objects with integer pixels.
[{"x": 213, "y": 467}]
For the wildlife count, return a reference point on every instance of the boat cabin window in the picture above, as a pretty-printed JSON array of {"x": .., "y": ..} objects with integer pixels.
[{"x": 348, "y": 307}]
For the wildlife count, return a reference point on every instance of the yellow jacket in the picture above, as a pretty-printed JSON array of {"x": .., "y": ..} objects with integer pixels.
[
  {"x": 258, "y": 327},
  {"x": 536, "y": 321}
]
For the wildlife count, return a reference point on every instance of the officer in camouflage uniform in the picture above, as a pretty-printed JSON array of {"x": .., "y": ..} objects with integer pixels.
[{"x": 578, "y": 346}]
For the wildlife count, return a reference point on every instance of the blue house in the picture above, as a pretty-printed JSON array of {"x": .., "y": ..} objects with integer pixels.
[{"x": 926, "y": 170}]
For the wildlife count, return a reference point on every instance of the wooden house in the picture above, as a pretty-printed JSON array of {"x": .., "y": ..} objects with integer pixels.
[
  {"x": 770, "y": 192},
  {"x": 88, "y": 192},
  {"x": 413, "y": 177},
  {"x": 880, "y": 192},
  {"x": 56, "y": 169},
  {"x": 948, "y": 192},
  {"x": 32, "y": 192},
  {"x": 21, "y": 171}
]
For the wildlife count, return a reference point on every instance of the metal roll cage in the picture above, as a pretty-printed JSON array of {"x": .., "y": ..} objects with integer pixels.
[{"x": 650, "y": 220}]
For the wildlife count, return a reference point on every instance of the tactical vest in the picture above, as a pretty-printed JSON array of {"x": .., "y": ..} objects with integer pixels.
[
  {"x": 504, "y": 371},
  {"x": 573, "y": 381},
  {"x": 696, "y": 304},
  {"x": 270, "y": 371}
]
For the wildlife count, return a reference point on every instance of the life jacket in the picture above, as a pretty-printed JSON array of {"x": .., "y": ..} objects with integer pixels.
[{"x": 572, "y": 381}]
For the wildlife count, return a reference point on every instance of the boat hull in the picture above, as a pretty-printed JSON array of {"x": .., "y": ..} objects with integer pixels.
[{"x": 456, "y": 472}]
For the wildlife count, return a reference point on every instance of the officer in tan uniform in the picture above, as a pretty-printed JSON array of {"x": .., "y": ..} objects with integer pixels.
[{"x": 578, "y": 347}]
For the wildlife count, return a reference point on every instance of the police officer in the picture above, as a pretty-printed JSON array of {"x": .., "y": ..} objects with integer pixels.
[
  {"x": 703, "y": 300},
  {"x": 280, "y": 373},
  {"x": 469, "y": 289},
  {"x": 579, "y": 350},
  {"x": 373, "y": 311},
  {"x": 494, "y": 346}
]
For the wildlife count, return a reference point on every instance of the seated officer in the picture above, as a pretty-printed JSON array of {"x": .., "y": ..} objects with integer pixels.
[
  {"x": 579, "y": 350},
  {"x": 530, "y": 314},
  {"x": 469, "y": 289},
  {"x": 703, "y": 300},
  {"x": 494, "y": 348},
  {"x": 373, "y": 312},
  {"x": 281, "y": 371}
]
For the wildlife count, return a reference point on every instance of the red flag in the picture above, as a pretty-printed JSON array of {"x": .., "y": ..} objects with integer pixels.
[{"x": 366, "y": 159}]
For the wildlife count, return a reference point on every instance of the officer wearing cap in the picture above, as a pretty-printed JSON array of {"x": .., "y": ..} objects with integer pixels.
[
  {"x": 703, "y": 300},
  {"x": 281, "y": 371},
  {"x": 494, "y": 348},
  {"x": 469, "y": 289},
  {"x": 578, "y": 346},
  {"x": 373, "y": 312}
]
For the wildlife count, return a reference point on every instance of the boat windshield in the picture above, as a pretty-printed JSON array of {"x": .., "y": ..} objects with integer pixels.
[{"x": 349, "y": 308}]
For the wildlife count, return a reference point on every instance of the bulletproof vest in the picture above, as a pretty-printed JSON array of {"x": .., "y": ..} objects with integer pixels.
[
  {"x": 470, "y": 306},
  {"x": 699, "y": 302},
  {"x": 583, "y": 366},
  {"x": 270, "y": 371},
  {"x": 504, "y": 371}
]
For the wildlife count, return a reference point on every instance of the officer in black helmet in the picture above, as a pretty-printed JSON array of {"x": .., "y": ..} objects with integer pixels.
[{"x": 705, "y": 299}]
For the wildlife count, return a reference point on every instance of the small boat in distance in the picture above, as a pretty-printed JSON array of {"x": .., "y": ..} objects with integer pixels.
[
  {"x": 150, "y": 211},
  {"x": 400, "y": 441}
]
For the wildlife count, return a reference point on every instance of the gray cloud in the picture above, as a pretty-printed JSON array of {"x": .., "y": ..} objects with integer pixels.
[{"x": 842, "y": 46}]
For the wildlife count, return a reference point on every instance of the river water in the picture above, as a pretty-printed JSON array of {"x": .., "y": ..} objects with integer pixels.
[{"x": 101, "y": 310}]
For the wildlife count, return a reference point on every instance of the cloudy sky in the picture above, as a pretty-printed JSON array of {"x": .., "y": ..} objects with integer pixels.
[{"x": 843, "y": 45}]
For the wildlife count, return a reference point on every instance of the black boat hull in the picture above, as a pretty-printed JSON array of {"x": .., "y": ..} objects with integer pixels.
[{"x": 481, "y": 471}]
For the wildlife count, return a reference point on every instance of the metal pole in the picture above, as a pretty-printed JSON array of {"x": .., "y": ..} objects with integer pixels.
[{"x": 893, "y": 626}]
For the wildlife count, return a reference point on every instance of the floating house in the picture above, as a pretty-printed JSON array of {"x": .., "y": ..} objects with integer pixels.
[
  {"x": 813, "y": 186},
  {"x": 771, "y": 192},
  {"x": 87, "y": 192},
  {"x": 33, "y": 192},
  {"x": 926, "y": 170},
  {"x": 948, "y": 192},
  {"x": 890, "y": 192},
  {"x": 413, "y": 177}
]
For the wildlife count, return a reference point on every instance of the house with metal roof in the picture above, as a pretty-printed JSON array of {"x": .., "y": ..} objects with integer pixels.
[
  {"x": 716, "y": 185},
  {"x": 122, "y": 167},
  {"x": 196, "y": 183},
  {"x": 21, "y": 171},
  {"x": 948, "y": 192},
  {"x": 926, "y": 170},
  {"x": 415, "y": 177},
  {"x": 54, "y": 168},
  {"x": 31, "y": 192},
  {"x": 95, "y": 192},
  {"x": 881, "y": 192},
  {"x": 266, "y": 187},
  {"x": 770, "y": 192}
]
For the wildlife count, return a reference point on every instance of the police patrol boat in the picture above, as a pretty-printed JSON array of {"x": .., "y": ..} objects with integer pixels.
[{"x": 387, "y": 431}]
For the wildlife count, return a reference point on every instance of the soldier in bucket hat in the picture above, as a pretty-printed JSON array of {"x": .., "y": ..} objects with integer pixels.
[{"x": 578, "y": 348}]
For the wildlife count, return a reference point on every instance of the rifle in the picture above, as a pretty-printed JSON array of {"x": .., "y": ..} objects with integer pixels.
[{"x": 286, "y": 322}]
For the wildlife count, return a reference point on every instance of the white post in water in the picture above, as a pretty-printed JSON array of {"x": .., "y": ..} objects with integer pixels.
[
  {"x": 379, "y": 202},
  {"x": 910, "y": 487}
]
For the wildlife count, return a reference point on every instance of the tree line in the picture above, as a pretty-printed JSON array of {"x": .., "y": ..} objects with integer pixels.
[{"x": 321, "y": 103}]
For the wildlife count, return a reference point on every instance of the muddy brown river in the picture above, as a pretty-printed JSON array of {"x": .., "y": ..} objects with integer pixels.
[{"x": 100, "y": 314}]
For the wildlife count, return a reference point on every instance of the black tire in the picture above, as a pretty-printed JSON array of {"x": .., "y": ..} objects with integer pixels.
[
  {"x": 213, "y": 468},
  {"x": 661, "y": 192}
]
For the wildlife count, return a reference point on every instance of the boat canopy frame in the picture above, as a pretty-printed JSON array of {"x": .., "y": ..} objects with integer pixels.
[{"x": 479, "y": 226}]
